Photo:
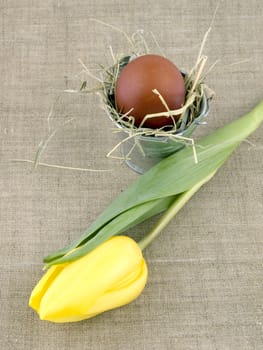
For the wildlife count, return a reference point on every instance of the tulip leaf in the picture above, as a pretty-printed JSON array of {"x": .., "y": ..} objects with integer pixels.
[
  {"x": 118, "y": 225},
  {"x": 170, "y": 177},
  {"x": 124, "y": 221}
]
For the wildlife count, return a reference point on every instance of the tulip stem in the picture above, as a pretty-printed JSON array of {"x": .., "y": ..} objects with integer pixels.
[{"x": 179, "y": 202}]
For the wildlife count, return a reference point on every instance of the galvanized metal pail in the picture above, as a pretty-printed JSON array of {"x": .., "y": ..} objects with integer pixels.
[{"x": 142, "y": 152}]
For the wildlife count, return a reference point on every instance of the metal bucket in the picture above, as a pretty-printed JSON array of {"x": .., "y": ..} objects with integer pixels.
[{"x": 142, "y": 152}]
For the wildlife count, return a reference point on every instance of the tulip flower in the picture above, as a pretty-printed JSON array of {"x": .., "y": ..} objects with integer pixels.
[{"x": 110, "y": 276}]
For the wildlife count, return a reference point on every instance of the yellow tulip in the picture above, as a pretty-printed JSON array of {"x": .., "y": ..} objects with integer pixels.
[{"x": 110, "y": 276}]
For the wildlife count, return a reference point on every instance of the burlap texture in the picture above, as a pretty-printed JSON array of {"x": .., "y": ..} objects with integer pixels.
[{"x": 205, "y": 272}]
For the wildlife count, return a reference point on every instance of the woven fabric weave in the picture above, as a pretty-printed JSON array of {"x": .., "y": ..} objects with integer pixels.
[{"x": 205, "y": 271}]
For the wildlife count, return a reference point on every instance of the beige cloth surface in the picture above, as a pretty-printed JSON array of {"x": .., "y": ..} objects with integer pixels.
[{"x": 205, "y": 271}]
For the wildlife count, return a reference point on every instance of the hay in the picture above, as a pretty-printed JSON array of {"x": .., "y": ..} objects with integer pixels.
[{"x": 195, "y": 91}]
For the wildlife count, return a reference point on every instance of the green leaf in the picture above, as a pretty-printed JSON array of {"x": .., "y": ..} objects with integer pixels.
[
  {"x": 119, "y": 224},
  {"x": 172, "y": 176},
  {"x": 122, "y": 222}
]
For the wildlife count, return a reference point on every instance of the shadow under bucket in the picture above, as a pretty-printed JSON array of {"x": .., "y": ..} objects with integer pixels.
[{"x": 141, "y": 153}]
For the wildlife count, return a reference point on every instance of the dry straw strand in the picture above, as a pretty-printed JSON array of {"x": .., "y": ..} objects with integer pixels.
[{"x": 59, "y": 166}]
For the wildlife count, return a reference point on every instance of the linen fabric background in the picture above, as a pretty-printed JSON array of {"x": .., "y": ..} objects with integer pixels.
[{"x": 205, "y": 271}]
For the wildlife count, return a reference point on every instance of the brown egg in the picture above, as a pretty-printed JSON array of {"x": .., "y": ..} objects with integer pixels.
[{"x": 135, "y": 84}]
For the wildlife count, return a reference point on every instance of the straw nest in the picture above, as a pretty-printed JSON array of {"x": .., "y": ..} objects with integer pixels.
[
  {"x": 188, "y": 112},
  {"x": 195, "y": 85}
]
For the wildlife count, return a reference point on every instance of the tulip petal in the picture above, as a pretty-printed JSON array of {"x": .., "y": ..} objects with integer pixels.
[
  {"x": 111, "y": 275},
  {"x": 43, "y": 285},
  {"x": 121, "y": 296}
]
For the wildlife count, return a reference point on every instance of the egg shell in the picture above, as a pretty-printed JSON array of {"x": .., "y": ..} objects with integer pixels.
[{"x": 135, "y": 85}]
